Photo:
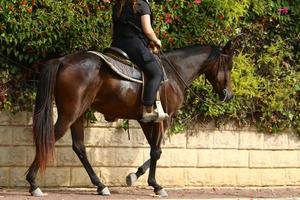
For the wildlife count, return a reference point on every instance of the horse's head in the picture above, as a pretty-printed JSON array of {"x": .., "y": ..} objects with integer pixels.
[{"x": 218, "y": 68}]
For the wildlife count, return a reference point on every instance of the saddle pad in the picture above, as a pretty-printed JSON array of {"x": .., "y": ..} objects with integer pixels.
[{"x": 125, "y": 71}]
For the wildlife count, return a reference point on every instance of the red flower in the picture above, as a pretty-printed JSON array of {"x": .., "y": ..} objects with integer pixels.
[
  {"x": 283, "y": 10},
  {"x": 29, "y": 9},
  {"x": 197, "y": 1},
  {"x": 168, "y": 19},
  {"x": 165, "y": 34},
  {"x": 24, "y": 2}
]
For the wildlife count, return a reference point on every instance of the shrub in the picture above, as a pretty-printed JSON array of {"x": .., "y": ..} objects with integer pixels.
[{"x": 266, "y": 66}]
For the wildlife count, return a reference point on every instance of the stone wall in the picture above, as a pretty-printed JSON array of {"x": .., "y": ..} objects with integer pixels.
[{"x": 209, "y": 157}]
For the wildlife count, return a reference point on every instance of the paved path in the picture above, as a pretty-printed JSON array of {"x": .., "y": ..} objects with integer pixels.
[{"x": 291, "y": 193}]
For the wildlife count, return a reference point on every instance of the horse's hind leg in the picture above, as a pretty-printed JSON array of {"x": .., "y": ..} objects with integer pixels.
[
  {"x": 77, "y": 130},
  {"x": 61, "y": 127}
]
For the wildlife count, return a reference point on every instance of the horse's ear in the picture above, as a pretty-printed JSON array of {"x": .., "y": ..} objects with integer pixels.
[
  {"x": 228, "y": 48},
  {"x": 231, "y": 44}
]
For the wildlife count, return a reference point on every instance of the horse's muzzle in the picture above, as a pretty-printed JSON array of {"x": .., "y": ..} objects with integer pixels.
[{"x": 226, "y": 95}]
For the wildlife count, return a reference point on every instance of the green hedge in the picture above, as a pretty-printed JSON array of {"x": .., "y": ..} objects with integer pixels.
[{"x": 266, "y": 77}]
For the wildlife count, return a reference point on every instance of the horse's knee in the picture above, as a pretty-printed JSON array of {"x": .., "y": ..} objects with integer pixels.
[{"x": 155, "y": 153}]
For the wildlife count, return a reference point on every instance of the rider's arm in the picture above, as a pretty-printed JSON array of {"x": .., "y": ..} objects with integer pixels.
[{"x": 148, "y": 30}]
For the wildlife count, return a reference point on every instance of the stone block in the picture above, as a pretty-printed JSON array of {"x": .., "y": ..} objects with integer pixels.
[
  {"x": 260, "y": 159},
  {"x": 202, "y": 139},
  {"x": 175, "y": 141},
  {"x": 223, "y": 176},
  {"x": 176, "y": 157},
  {"x": 132, "y": 157},
  {"x": 7, "y": 118},
  {"x": 205, "y": 126},
  {"x": 66, "y": 140},
  {"x": 30, "y": 155},
  {"x": 293, "y": 141},
  {"x": 65, "y": 156},
  {"x": 225, "y": 140},
  {"x": 57, "y": 177},
  {"x": 198, "y": 177},
  {"x": 273, "y": 177},
  {"x": 235, "y": 158},
  {"x": 18, "y": 177},
  {"x": 298, "y": 158},
  {"x": 115, "y": 176},
  {"x": 171, "y": 176},
  {"x": 285, "y": 159},
  {"x": 138, "y": 138},
  {"x": 184, "y": 157},
  {"x": 4, "y": 176},
  {"x": 248, "y": 177},
  {"x": 210, "y": 158},
  {"x": 229, "y": 126},
  {"x": 6, "y": 135},
  {"x": 251, "y": 140},
  {"x": 80, "y": 178},
  {"x": 275, "y": 141},
  {"x": 165, "y": 158},
  {"x": 117, "y": 138},
  {"x": 22, "y": 136},
  {"x": 94, "y": 136},
  {"x": 293, "y": 177},
  {"x": 12, "y": 156},
  {"x": 103, "y": 157},
  {"x": 134, "y": 124}
]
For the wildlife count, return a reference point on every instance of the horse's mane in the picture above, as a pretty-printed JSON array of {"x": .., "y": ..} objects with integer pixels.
[{"x": 214, "y": 54}]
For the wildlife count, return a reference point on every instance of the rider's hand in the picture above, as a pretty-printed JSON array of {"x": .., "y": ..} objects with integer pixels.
[{"x": 158, "y": 43}]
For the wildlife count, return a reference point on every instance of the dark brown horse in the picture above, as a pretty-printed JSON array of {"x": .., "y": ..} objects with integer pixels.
[{"x": 82, "y": 80}]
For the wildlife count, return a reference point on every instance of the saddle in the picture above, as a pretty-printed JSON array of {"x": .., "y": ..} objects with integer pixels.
[{"x": 120, "y": 63}]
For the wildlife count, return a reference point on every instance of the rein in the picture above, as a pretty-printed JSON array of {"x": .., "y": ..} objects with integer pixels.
[{"x": 183, "y": 81}]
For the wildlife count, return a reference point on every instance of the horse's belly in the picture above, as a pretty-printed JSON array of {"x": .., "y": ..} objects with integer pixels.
[{"x": 119, "y": 99}]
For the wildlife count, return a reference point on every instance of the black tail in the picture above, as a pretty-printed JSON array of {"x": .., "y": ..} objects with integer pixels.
[{"x": 43, "y": 129}]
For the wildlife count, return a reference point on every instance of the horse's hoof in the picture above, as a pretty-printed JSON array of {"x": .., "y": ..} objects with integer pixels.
[
  {"x": 37, "y": 193},
  {"x": 131, "y": 179},
  {"x": 162, "y": 193},
  {"x": 105, "y": 192}
]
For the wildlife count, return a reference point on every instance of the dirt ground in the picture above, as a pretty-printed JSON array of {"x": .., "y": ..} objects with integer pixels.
[{"x": 290, "y": 193}]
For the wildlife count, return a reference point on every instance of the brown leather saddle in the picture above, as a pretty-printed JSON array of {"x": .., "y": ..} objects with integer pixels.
[{"x": 120, "y": 63}]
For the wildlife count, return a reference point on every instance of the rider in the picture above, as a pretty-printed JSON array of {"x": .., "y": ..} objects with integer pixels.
[{"x": 133, "y": 32}]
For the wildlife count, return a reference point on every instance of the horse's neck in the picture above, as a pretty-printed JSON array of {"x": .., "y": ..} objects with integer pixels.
[{"x": 185, "y": 65}]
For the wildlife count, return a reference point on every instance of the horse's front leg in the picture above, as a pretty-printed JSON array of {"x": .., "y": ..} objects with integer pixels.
[
  {"x": 133, "y": 177},
  {"x": 154, "y": 136}
]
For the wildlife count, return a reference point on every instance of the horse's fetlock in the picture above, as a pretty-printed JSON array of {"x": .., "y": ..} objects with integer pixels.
[{"x": 152, "y": 182}]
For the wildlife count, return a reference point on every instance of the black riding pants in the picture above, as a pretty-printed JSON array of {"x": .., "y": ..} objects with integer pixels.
[{"x": 145, "y": 60}]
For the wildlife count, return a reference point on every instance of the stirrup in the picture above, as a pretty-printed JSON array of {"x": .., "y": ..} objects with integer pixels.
[
  {"x": 149, "y": 117},
  {"x": 161, "y": 113}
]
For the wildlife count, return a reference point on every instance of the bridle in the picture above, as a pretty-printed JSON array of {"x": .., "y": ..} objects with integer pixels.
[{"x": 221, "y": 58}]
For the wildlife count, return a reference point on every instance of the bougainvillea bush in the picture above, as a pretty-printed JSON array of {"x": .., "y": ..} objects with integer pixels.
[{"x": 266, "y": 78}]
